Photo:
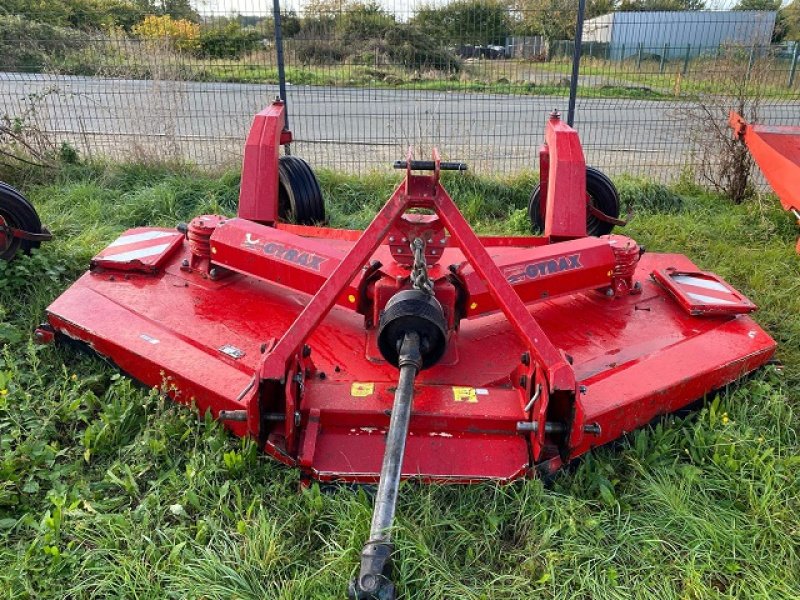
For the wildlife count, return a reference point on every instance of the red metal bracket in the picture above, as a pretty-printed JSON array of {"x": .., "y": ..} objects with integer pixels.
[
  {"x": 563, "y": 166},
  {"x": 703, "y": 294},
  {"x": 258, "y": 194}
]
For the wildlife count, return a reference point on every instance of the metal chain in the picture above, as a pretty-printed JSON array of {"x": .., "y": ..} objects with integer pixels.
[{"x": 419, "y": 271}]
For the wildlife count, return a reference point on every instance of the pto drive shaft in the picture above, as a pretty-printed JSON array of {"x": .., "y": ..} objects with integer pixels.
[{"x": 373, "y": 580}]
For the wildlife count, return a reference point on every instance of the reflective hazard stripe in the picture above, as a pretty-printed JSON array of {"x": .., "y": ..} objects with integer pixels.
[
  {"x": 134, "y": 238},
  {"x": 709, "y": 299},
  {"x": 136, "y": 254},
  {"x": 701, "y": 283},
  {"x": 705, "y": 290}
]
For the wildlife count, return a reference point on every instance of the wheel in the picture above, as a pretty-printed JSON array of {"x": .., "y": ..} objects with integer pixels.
[
  {"x": 299, "y": 195},
  {"x": 18, "y": 213},
  {"x": 600, "y": 193}
]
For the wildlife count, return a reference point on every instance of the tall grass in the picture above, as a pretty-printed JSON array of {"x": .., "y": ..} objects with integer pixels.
[{"x": 109, "y": 491}]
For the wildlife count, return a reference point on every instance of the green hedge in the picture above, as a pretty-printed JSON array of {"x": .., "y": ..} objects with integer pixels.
[{"x": 32, "y": 46}]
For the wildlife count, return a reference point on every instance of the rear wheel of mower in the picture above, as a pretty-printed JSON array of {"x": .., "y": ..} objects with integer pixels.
[
  {"x": 299, "y": 195},
  {"x": 600, "y": 193},
  {"x": 16, "y": 212}
]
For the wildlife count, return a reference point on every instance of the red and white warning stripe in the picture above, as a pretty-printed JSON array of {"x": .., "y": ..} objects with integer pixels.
[
  {"x": 139, "y": 246},
  {"x": 706, "y": 291}
]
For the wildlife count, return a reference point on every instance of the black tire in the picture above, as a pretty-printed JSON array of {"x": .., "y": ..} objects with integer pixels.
[
  {"x": 601, "y": 193},
  {"x": 19, "y": 214},
  {"x": 299, "y": 195}
]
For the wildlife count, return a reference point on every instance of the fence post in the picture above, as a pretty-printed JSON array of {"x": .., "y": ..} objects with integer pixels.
[
  {"x": 576, "y": 63},
  {"x": 663, "y": 58},
  {"x": 639, "y": 58},
  {"x": 686, "y": 58},
  {"x": 793, "y": 68},
  {"x": 276, "y": 17}
]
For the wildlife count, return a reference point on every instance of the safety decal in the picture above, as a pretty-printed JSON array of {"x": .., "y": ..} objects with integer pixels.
[
  {"x": 359, "y": 389},
  {"x": 465, "y": 394}
]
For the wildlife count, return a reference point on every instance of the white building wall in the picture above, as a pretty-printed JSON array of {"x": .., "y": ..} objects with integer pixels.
[
  {"x": 599, "y": 29},
  {"x": 694, "y": 32}
]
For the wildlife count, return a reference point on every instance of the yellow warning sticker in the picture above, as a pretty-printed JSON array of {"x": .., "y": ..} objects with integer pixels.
[
  {"x": 465, "y": 394},
  {"x": 361, "y": 390}
]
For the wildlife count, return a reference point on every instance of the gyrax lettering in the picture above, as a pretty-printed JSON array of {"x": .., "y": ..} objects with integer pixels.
[
  {"x": 287, "y": 254},
  {"x": 542, "y": 268},
  {"x": 293, "y": 255}
]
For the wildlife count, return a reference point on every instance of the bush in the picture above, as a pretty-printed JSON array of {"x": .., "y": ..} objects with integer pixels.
[
  {"x": 31, "y": 46},
  {"x": 465, "y": 21},
  {"x": 363, "y": 22},
  {"x": 410, "y": 47},
  {"x": 401, "y": 44},
  {"x": 86, "y": 15},
  {"x": 318, "y": 51},
  {"x": 180, "y": 34},
  {"x": 228, "y": 41}
]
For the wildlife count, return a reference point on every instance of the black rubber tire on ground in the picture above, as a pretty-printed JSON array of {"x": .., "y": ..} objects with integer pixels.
[
  {"x": 299, "y": 195},
  {"x": 600, "y": 191},
  {"x": 19, "y": 214}
]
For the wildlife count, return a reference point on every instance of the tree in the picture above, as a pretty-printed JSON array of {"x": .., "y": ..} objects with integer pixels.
[
  {"x": 87, "y": 15},
  {"x": 779, "y": 30},
  {"x": 363, "y": 22},
  {"x": 466, "y": 22},
  {"x": 757, "y": 5},
  {"x": 228, "y": 39},
  {"x": 180, "y": 34},
  {"x": 791, "y": 20},
  {"x": 290, "y": 24},
  {"x": 555, "y": 19},
  {"x": 665, "y": 5},
  {"x": 177, "y": 9}
]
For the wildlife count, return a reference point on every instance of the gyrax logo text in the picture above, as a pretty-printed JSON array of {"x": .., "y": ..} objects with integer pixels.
[
  {"x": 286, "y": 254},
  {"x": 535, "y": 270}
]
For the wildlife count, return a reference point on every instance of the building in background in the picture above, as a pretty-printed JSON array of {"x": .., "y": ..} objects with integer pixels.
[
  {"x": 677, "y": 34},
  {"x": 529, "y": 47}
]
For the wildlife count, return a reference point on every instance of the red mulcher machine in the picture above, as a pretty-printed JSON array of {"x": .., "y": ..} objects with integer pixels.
[
  {"x": 414, "y": 348},
  {"x": 776, "y": 150}
]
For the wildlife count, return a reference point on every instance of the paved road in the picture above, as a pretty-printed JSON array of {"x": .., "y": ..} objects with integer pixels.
[{"x": 349, "y": 128}]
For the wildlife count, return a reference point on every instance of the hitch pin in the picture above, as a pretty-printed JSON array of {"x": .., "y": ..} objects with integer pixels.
[
  {"x": 556, "y": 427},
  {"x": 241, "y": 415}
]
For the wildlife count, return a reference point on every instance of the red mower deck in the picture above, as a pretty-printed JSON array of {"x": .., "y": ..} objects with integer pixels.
[{"x": 635, "y": 357}]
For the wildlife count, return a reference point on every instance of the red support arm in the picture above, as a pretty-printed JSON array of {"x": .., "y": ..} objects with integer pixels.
[
  {"x": 258, "y": 194},
  {"x": 565, "y": 215}
]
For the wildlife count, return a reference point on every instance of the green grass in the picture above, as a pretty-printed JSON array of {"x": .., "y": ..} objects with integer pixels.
[
  {"x": 599, "y": 78},
  {"x": 698, "y": 77},
  {"x": 109, "y": 491},
  {"x": 396, "y": 78}
]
